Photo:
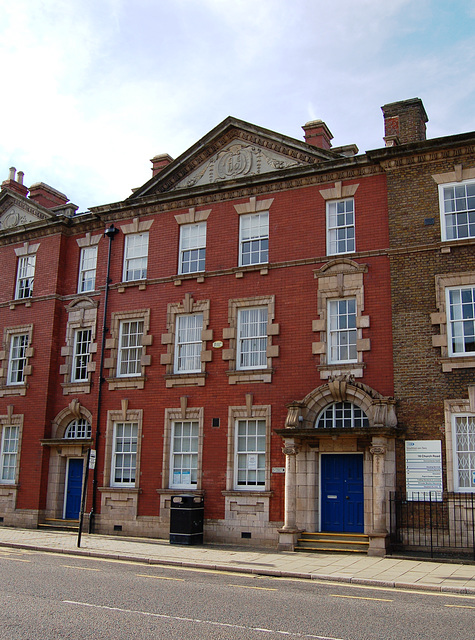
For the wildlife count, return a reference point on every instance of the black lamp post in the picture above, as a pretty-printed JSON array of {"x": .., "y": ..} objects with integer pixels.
[{"x": 110, "y": 233}]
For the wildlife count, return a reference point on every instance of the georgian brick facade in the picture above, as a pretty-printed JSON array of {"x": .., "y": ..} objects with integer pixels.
[{"x": 249, "y": 329}]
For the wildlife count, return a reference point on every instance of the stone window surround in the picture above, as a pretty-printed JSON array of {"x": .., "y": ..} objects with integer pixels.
[
  {"x": 112, "y": 343},
  {"x": 459, "y": 174},
  {"x": 452, "y": 408},
  {"x": 171, "y": 415},
  {"x": 340, "y": 278},
  {"x": 247, "y": 412},
  {"x": 339, "y": 192},
  {"x": 124, "y": 414},
  {"x": 174, "y": 309},
  {"x": 8, "y": 333},
  {"x": 82, "y": 314},
  {"x": 86, "y": 242},
  {"x": 26, "y": 250},
  {"x": 12, "y": 420},
  {"x": 135, "y": 226},
  {"x": 443, "y": 282},
  {"x": 120, "y": 503},
  {"x": 230, "y": 333}
]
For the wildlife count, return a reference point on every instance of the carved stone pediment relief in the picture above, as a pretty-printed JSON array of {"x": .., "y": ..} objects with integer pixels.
[
  {"x": 13, "y": 216},
  {"x": 237, "y": 159}
]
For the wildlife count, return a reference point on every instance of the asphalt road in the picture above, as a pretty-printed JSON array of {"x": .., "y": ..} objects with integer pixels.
[{"x": 47, "y": 596}]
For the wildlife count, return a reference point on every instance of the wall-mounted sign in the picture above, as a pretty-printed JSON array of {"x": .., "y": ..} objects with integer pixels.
[
  {"x": 92, "y": 458},
  {"x": 278, "y": 469},
  {"x": 218, "y": 344},
  {"x": 424, "y": 470}
]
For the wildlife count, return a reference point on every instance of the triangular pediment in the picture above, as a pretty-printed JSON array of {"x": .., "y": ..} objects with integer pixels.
[
  {"x": 237, "y": 159},
  {"x": 232, "y": 151},
  {"x": 15, "y": 214}
]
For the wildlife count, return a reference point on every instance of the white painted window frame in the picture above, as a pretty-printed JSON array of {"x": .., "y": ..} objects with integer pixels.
[
  {"x": 254, "y": 227},
  {"x": 192, "y": 238},
  {"x": 334, "y": 229},
  {"x": 339, "y": 332},
  {"x": 135, "y": 256},
  {"x": 87, "y": 269}
]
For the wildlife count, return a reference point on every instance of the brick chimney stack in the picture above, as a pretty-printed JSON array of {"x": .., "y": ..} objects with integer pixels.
[
  {"x": 15, "y": 184},
  {"x": 160, "y": 162},
  {"x": 318, "y": 134},
  {"x": 46, "y": 196},
  {"x": 404, "y": 122}
]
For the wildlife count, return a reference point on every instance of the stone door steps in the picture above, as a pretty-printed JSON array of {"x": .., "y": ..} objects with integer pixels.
[
  {"x": 337, "y": 542},
  {"x": 57, "y": 524}
]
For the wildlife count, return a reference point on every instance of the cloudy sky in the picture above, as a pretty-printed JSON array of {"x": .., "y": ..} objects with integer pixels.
[{"x": 92, "y": 89}]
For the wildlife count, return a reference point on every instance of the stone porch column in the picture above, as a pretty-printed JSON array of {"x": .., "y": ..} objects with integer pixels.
[
  {"x": 379, "y": 532},
  {"x": 289, "y": 532}
]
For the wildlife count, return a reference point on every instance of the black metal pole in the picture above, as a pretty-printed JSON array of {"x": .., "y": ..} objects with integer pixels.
[
  {"x": 110, "y": 232},
  {"x": 83, "y": 495}
]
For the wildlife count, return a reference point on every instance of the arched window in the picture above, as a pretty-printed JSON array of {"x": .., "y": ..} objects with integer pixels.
[
  {"x": 342, "y": 415},
  {"x": 79, "y": 428}
]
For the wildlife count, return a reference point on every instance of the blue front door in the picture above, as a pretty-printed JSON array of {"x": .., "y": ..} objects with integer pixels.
[
  {"x": 342, "y": 493},
  {"x": 73, "y": 489}
]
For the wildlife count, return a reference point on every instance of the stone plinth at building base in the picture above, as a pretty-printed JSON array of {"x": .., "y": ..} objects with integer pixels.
[
  {"x": 378, "y": 544},
  {"x": 288, "y": 539}
]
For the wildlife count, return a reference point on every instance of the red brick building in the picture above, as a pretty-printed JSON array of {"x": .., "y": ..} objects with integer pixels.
[{"x": 230, "y": 336}]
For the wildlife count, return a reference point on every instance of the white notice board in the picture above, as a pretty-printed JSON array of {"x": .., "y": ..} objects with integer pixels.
[{"x": 424, "y": 470}]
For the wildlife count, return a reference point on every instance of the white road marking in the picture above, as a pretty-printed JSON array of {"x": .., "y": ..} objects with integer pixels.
[{"x": 198, "y": 621}]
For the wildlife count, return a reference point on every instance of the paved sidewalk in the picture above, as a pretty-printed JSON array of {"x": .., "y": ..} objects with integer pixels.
[{"x": 352, "y": 568}]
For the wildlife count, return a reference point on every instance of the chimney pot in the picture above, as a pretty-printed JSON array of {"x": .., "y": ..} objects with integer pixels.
[{"x": 15, "y": 185}]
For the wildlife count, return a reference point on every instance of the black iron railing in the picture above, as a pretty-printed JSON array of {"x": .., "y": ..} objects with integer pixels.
[{"x": 435, "y": 524}]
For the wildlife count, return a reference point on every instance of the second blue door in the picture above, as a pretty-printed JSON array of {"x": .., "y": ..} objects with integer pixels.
[
  {"x": 342, "y": 493},
  {"x": 73, "y": 489}
]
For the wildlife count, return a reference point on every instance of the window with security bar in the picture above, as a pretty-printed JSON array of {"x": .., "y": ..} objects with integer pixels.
[{"x": 464, "y": 451}]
